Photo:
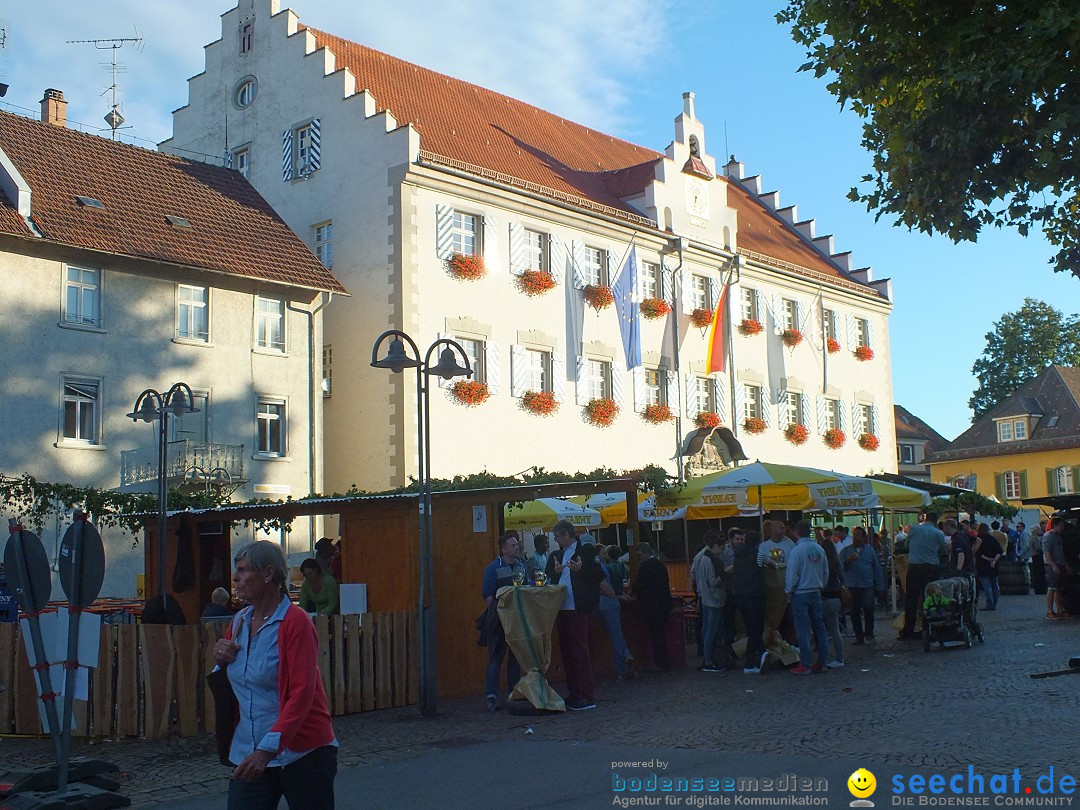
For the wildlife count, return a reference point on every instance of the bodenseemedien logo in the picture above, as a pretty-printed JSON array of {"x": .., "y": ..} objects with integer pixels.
[{"x": 862, "y": 785}]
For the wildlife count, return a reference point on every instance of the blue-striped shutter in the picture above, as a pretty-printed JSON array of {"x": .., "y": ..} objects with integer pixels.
[
  {"x": 517, "y": 370},
  {"x": 720, "y": 395},
  {"x": 766, "y": 407},
  {"x": 517, "y": 248},
  {"x": 558, "y": 258},
  {"x": 617, "y": 384},
  {"x": 639, "y": 389},
  {"x": 582, "y": 373},
  {"x": 287, "y": 155},
  {"x": 822, "y": 415},
  {"x": 671, "y": 381},
  {"x": 740, "y": 404},
  {"x": 491, "y": 367},
  {"x": 869, "y": 333},
  {"x": 489, "y": 244},
  {"x": 804, "y": 411},
  {"x": 315, "y": 152},
  {"x": 852, "y": 333},
  {"x": 444, "y": 231},
  {"x": 689, "y": 397},
  {"x": 875, "y": 428},
  {"x": 558, "y": 376},
  {"x": 841, "y": 414}
]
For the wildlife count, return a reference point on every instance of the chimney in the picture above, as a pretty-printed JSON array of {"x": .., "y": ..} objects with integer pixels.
[
  {"x": 688, "y": 105},
  {"x": 54, "y": 108}
]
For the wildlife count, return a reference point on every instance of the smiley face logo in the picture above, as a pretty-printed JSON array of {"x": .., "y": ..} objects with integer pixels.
[{"x": 862, "y": 783}]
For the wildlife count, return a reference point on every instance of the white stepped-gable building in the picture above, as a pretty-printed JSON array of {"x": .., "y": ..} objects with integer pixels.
[{"x": 388, "y": 169}]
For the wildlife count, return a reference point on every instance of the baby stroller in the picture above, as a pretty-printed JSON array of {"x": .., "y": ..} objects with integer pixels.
[{"x": 954, "y": 617}]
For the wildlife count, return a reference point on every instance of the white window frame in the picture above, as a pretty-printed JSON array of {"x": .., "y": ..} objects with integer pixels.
[
  {"x": 594, "y": 266},
  {"x": 328, "y": 369},
  {"x": 867, "y": 413},
  {"x": 862, "y": 332},
  {"x": 323, "y": 242},
  {"x": 276, "y": 421},
  {"x": 655, "y": 382},
  {"x": 538, "y": 371},
  {"x": 831, "y": 330},
  {"x": 302, "y": 139},
  {"x": 1019, "y": 430},
  {"x": 1005, "y": 433},
  {"x": 704, "y": 395},
  {"x": 475, "y": 349},
  {"x": 1010, "y": 484},
  {"x": 80, "y": 401},
  {"x": 750, "y": 304},
  {"x": 701, "y": 292},
  {"x": 201, "y": 418},
  {"x": 82, "y": 286},
  {"x": 791, "y": 314},
  {"x": 247, "y": 90},
  {"x": 268, "y": 310},
  {"x": 1064, "y": 476},
  {"x": 754, "y": 402},
  {"x": 186, "y": 325},
  {"x": 536, "y": 249},
  {"x": 832, "y": 414},
  {"x": 598, "y": 378},
  {"x": 241, "y": 161},
  {"x": 794, "y": 410},
  {"x": 465, "y": 233},
  {"x": 651, "y": 283},
  {"x": 905, "y": 454}
]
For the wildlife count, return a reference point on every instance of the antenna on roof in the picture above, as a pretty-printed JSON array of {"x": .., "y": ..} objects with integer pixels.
[
  {"x": 5, "y": 41},
  {"x": 113, "y": 117}
]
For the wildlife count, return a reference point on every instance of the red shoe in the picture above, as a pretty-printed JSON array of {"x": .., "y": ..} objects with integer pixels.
[
  {"x": 800, "y": 670},
  {"x": 816, "y": 668}
]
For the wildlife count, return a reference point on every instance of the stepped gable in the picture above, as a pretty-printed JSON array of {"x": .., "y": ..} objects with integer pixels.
[
  {"x": 234, "y": 230},
  {"x": 466, "y": 122}
]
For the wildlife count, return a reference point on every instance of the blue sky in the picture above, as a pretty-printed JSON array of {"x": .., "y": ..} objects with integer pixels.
[{"x": 620, "y": 66}]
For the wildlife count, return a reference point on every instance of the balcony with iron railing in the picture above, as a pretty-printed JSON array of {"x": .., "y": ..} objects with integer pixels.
[{"x": 186, "y": 462}]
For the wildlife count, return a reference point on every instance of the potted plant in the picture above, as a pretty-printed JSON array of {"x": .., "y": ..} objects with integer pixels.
[
  {"x": 791, "y": 338},
  {"x": 598, "y": 296},
  {"x": 653, "y": 308},
  {"x": 601, "y": 412},
  {"x": 834, "y": 438},
  {"x": 796, "y": 433},
  {"x": 753, "y": 424},
  {"x": 864, "y": 353},
  {"x": 535, "y": 282},
  {"x": 750, "y": 326},
  {"x": 701, "y": 318},
  {"x": 833, "y": 345},
  {"x": 707, "y": 419},
  {"x": 657, "y": 413},
  {"x": 540, "y": 403},
  {"x": 470, "y": 392},
  {"x": 868, "y": 441},
  {"x": 466, "y": 268}
]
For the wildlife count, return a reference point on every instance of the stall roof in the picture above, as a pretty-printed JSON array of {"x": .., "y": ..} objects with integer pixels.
[
  {"x": 916, "y": 483},
  {"x": 1058, "y": 502}
]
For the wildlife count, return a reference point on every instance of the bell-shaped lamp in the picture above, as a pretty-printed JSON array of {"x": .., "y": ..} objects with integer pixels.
[
  {"x": 448, "y": 367},
  {"x": 147, "y": 412},
  {"x": 396, "y": 359},
  {"x": 179, "y": 404}
]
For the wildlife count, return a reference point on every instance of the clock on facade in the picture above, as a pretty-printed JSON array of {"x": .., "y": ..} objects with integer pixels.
[{"x": 697, "y": 198}]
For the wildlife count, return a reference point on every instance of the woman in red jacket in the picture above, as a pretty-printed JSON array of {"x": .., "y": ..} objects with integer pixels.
[{"x": 283, "y": 744}]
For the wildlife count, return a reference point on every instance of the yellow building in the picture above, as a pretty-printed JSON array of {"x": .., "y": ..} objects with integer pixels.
[{"x": 1026, "y": 447}]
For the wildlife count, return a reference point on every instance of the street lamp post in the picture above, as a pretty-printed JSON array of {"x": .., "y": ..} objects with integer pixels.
[
  {"x": 397, "y": 360},
  {"x": 154, "y": 406}
]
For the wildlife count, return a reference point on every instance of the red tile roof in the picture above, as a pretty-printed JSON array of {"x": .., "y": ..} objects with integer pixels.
[
  {"x": 478, "y": 126},
  {"x": 234, "y": 229},
  {"x": 10, "y": 221}
]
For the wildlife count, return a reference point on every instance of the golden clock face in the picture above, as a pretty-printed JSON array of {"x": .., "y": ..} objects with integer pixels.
[{"x": 697, "y": 198}]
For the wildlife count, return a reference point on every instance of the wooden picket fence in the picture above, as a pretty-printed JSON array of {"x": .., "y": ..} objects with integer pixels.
[{"x": 151, "y": 679}]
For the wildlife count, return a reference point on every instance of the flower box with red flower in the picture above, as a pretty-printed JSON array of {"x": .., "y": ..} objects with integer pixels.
[
  {"x": 796, "y": 433},
  {"x": 868, "y": 441},
  {"x": 834, "y": 438},
  {"x": 707, "y": 419},
  {"x": 701, "y": 318},
  {"x": 653, "y": 308},
  {"x": 753, "y": 424},
  {"x": 791, "y": 338},
  {"x": 535, "y": 282},
  {"x": 833, "y": 345},
  {"x": 470, "y": 392},
  {"x": 750, "y": 326},
  {"x": 864, "y": 353},
  {"x": 657, "y": 414},
  {"x": 466, "y": 268},
  {"x": 601, "y": 412},
  {"x": 541, "y": 403},
  {"x": 598, "y": 296}
]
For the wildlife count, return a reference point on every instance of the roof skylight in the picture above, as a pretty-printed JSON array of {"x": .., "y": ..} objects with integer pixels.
[{"x": 89, "y": 202}]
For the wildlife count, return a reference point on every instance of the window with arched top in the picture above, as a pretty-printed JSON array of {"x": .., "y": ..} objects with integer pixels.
[
  {"x": 246, "y": 90},
  {"x": 695, "y": 148}
]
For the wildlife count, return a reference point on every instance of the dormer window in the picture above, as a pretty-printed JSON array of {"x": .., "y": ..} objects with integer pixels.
[{"x": 1012, "y": 430}]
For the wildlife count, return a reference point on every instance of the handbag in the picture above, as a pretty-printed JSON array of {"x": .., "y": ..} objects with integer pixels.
[
  {"x": 226, "y": 706},
  {"x": 845, "y": 596}
]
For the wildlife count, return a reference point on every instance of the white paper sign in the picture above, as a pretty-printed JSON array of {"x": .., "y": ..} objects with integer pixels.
[
  {"x": 353, "y": 598},
  {"x": 89, "y": 638},
  {"x": 47, "y": 622}
]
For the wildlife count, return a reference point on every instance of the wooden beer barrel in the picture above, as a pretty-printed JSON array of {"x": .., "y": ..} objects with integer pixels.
[{"x": 1014, "y": 578}]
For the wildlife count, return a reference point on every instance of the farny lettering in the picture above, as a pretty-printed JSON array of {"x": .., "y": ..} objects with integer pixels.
[
  {"x": 971, "y": 783},
  {"x": 653, "y": 783}
]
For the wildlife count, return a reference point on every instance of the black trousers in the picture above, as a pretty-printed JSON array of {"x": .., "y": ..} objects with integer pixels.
[
  {"x": 918, "y": 577},
  {"x": 656, "y": 620},
  {"x": 307, "y": 784}
]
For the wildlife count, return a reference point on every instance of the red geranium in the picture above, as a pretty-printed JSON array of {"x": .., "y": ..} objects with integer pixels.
[
  {"x": 833, "y": 345},
  {"x": 750, "y": 326},
  {"x": 535, "y": 282},
  {"x": 791, "y": 338},
  {"x": 541, "y": 403},
  {"x": 601, "y": 412},
  {"x": 864, "y": 353},
  {"x": 797, "y": 434},
  {"x": 598, "y": 296},
  {"x": 470, "y": 392},
  {"x": 868, "y": 441},
  {"x": 701, "y": 318},
  {"x": 753, "y": 424},
  {"x": 657, "y": 414},
  {"x": 466, "y": 268},
  {"x": 707, "y": 419},
  {"x": 653, "y": 308},
  {"x": 834, "y": 438}
]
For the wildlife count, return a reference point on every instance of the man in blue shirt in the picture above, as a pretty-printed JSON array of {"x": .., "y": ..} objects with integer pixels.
[
  {"x": 926, "y": 549},
  {"x": 804, "y": 578}
]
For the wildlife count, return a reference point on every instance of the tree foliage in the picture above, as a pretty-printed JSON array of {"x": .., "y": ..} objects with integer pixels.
[
  {"x": 1018, "y": 347},
  {"x": 971, "y": 109}
]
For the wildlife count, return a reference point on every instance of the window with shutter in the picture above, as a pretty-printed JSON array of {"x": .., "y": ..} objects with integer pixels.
[
  {"x": 720, "y": 397},
  {"x": 287, "y": 154},
  {"x": 491, "y": 367},
  {"x": 517, "y": 248}
]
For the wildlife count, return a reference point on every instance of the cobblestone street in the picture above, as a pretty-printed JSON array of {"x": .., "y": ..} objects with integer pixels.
[{"x": 893, "y": 705}]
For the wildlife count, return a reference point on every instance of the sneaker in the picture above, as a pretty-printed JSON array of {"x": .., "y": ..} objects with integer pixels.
[
  {"x": 764, "y": 660},
  {"x": 579, "y": 704},
  {"x": 800, "y": 670},
  {"x": 835, "y": 665},
  {"x": 711, "y": 668},
  {"x": 816, "y": 668},
  {"x": 492, "y": 703},
  {"x": 751, "y": 671}
]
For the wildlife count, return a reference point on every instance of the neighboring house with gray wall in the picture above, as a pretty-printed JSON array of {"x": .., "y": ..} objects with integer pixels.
[{"x": 126, "y": 269}]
